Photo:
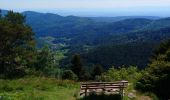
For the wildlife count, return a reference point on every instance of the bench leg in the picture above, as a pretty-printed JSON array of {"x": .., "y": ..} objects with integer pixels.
[
  {"x": 85, "y": 92},
  {"x": 121, "y": 93}
]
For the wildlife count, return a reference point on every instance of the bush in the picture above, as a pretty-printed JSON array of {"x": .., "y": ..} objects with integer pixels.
[
  {"x": 156, "y": 80},
  {"x": 123, "y": 73},
  {"x": 157, "y": 76},
  {"x": 68, "y": 74}
]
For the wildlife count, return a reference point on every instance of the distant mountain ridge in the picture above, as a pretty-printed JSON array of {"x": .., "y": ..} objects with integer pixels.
[
  {"x": 53, "y": 24},
  {"x": 107, "y": 41},
  {"x": 49, "y": 24},
  {"x": 120, "y": 18}
]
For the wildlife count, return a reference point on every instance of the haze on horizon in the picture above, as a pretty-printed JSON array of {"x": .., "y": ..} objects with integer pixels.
[{"x": 104, "y": 8}]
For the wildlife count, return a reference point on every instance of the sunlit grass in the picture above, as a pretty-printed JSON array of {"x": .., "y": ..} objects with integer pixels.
[{"x": 39, "y": 88}]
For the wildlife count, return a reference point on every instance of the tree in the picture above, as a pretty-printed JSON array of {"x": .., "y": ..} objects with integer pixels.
[
  {"x": 98, "y": 69},
  {"x": 45, "y": 61},
  {"x": 161, "y": 49},
  {"x": 15, "y": 18},
  {"x": 16, "y": 44},
  {"x": 77, "y": 66},
  {"x": 129, "y": 73},
  {"x": 157, "y": 76}
]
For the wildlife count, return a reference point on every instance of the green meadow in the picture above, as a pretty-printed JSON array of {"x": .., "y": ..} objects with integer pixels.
[{"x": 38, "y": 88}]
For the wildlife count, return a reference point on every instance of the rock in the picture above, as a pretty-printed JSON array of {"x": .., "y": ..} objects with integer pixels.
[
  {"x": 134, "y": 91},
  {"x": 1, "y": 98},
  {"x": 131, "y": 95},
  {"x": 145, "y": 98}
]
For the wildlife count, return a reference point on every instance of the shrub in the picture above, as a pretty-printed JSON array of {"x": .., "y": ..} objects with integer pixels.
[
  {"x": 68, "y": 74},
  {"x": 157, "y": 76},
  {"x": 123, "y": 73}
]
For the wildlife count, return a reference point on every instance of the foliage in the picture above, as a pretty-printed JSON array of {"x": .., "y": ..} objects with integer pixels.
[
  {"x": 68, "y": 74},
  {"x": 152, "y": 95},
  {"x": 161, "y": 49},
  {"x": 16, "y": 46},
  {"x": 130, "y": 74},
  {"x": 18, "y": 55},
  {"x": 97, "y": 70},
  {"x": 45, "y": 61},
  {"x": 127, "y": 54},
  {"x": 77, "y": 66},
  {"x": 134, "y": 48},
  {"x": 15, "y": 18},
  {"x": 157, "y": 76}
]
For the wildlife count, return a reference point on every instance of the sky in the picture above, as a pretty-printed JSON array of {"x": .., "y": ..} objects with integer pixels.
[{"x": 92, "y": 7}]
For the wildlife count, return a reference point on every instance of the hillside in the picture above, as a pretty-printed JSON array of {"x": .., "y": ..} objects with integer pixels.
[
  {"x": 48, "y": 24},
  {"x": 129, "y": 49},
  {"x": 85, "y": 29},
  {"x": 92, "y": 36},
  {"x": 85, "y": 36},
  {"x": 120, "y": 18}
]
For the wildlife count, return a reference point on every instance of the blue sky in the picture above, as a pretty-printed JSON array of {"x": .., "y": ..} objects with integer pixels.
[{"x": 92, "y": 7}]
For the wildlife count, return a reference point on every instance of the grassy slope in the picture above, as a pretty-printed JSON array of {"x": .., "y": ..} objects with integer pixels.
[
  {"x": 38, "y": 88},
  {"x": 41, "y": 88}
]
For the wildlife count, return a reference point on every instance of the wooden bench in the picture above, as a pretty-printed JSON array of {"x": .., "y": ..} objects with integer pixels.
[{"x": 103, "y": 87}]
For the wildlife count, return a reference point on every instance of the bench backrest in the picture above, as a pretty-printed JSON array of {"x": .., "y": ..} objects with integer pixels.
[{"x": 104, "y": 85}]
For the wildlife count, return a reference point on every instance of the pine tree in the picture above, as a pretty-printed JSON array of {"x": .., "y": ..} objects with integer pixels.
[
  {"x": 98, "y": 69},
  {"x": 77, "y": 66},
  {"x": 16, "y": 44}
]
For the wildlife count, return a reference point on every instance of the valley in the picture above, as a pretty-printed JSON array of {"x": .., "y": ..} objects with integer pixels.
[{"x": 85, "y": 35}]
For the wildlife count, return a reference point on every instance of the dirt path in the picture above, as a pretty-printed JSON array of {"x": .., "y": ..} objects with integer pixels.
[{"x": 144, "y": 98}]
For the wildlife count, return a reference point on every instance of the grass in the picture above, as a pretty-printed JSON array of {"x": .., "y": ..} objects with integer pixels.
[
  {"x": 38, "y": 88},
  {"x": 139, "y": 95},
  {"x": 43, "y": 88}
]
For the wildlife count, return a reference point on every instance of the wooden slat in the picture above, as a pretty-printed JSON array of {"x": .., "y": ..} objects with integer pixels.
[
  {"x": 104, "y": 85},
  {"x": 122, "y": 86},
  {"x": 86, "y": 86},
  {"x": 98, "y": 92},
  {"x": 105, "y": 82}
]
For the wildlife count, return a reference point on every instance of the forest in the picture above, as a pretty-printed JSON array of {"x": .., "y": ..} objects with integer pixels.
[{"x": 44, "y": 55}]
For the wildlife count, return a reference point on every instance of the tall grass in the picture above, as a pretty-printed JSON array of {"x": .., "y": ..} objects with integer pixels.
[{"x": 38, "y": 88}]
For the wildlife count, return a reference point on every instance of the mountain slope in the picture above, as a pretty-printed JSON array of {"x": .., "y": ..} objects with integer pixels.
[
  {"x": 47, "y": 24},
  {"x": 120, "y": 18},
  {"x": 135, "y": 49},
  {"x": 158, "y": 24},
  {"x": 108, "y": 43}
]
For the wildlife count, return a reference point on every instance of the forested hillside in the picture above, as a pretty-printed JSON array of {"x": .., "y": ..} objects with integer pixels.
[
  {"x": 121, "y": 37},
  {"x": 120, "y": 18},
  {"x": 90, "y": 38}
]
